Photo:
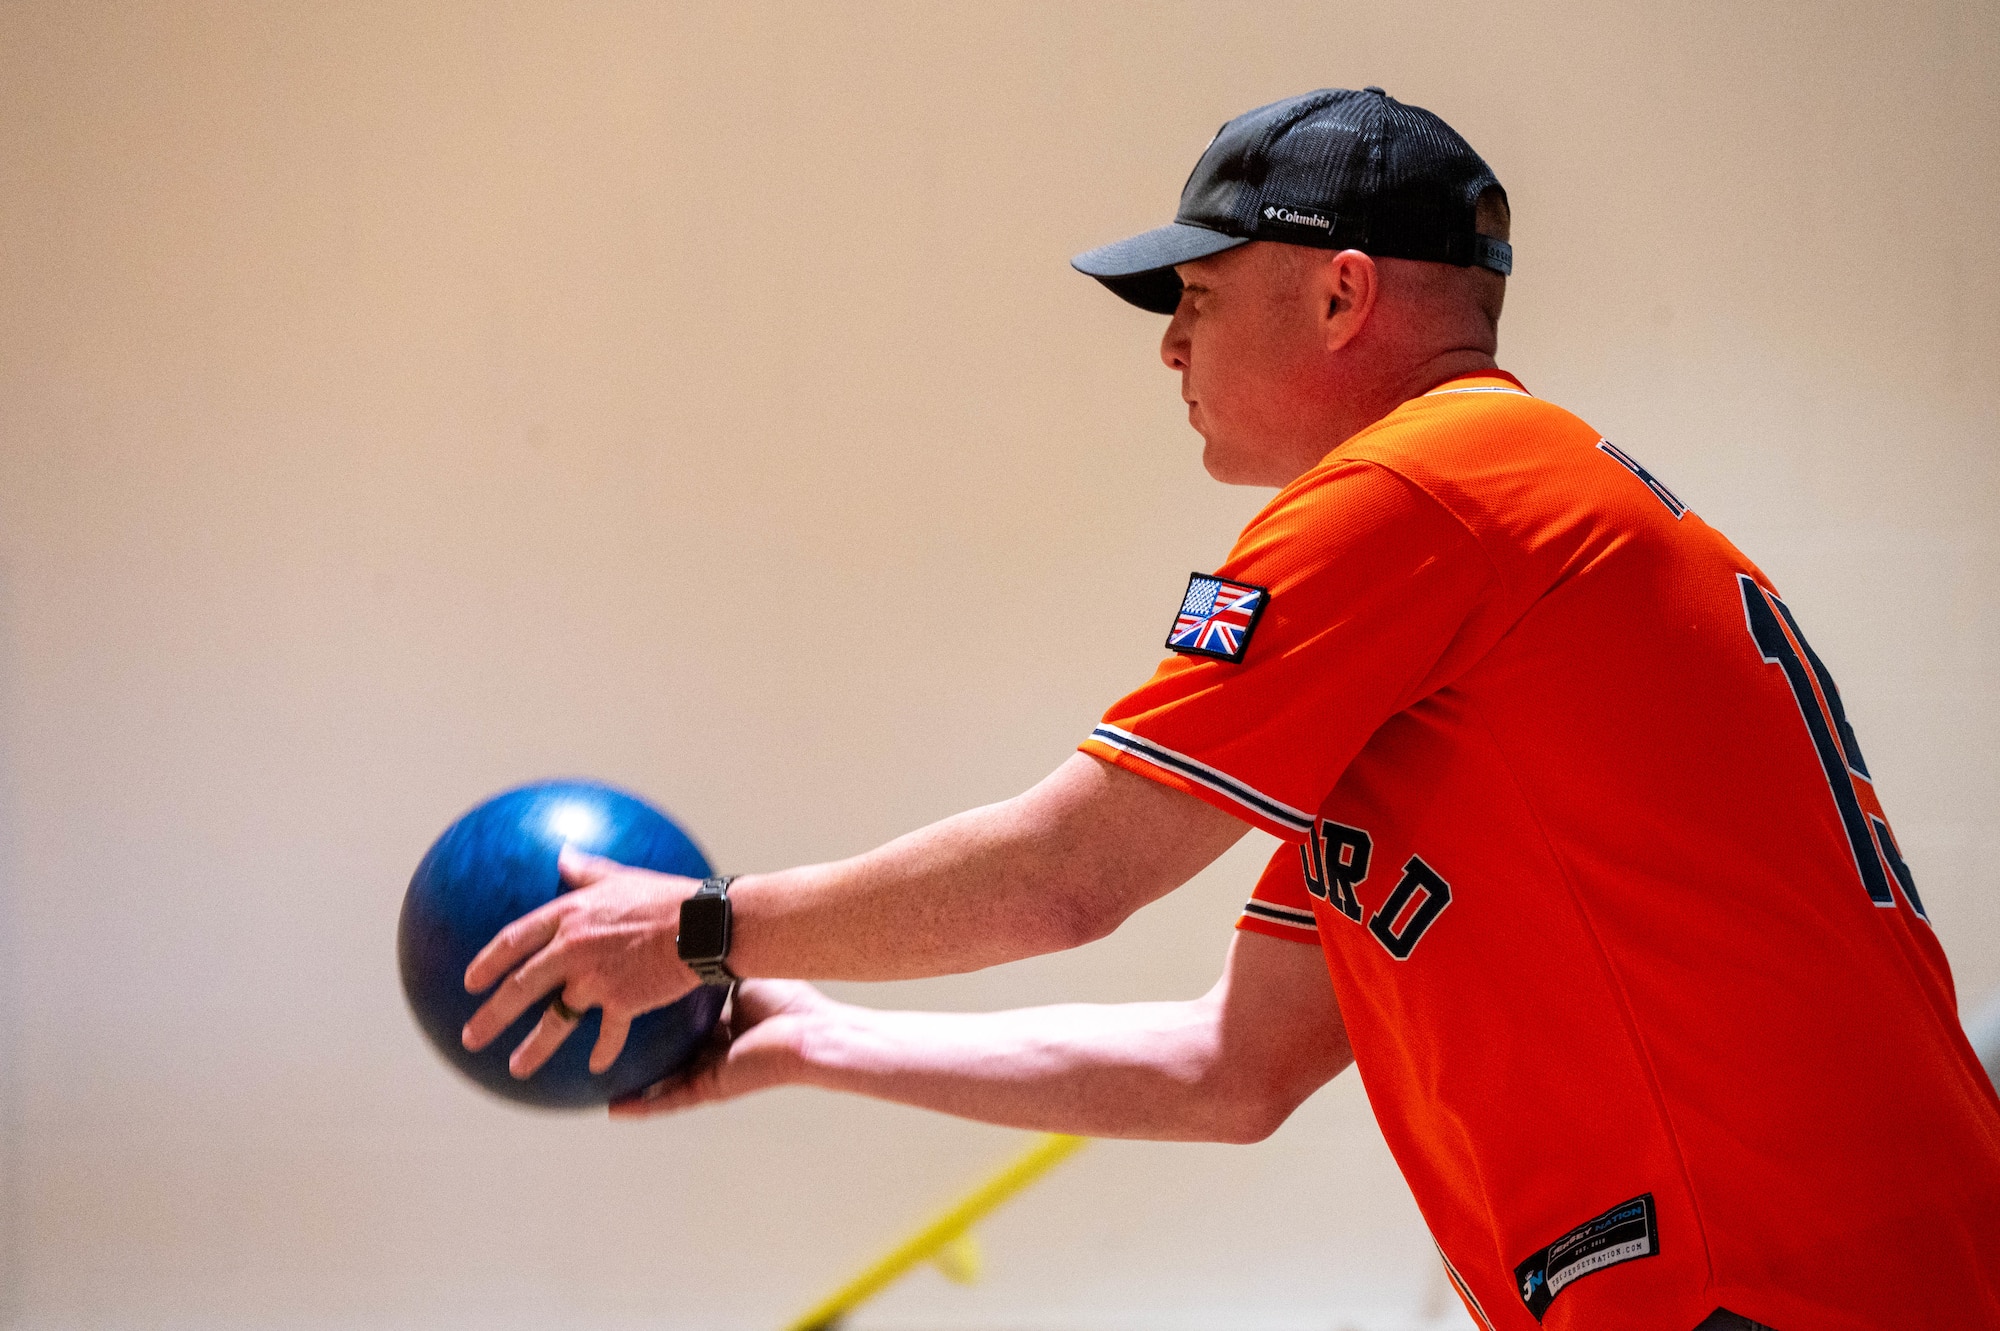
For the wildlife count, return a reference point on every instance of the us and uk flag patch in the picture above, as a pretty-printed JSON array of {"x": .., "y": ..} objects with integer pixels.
[{"x": 1217, "y": 617}]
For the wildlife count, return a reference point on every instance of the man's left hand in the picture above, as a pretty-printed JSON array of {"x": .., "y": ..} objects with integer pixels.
[{"x": 607, "y": 942}]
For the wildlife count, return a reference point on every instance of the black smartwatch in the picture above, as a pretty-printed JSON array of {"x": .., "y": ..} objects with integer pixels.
[{"x": 704, "y": 938}]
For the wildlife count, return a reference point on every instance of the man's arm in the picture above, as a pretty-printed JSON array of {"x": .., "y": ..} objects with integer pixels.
[
  {"x": 1056, "y": 867},
  {"x": 1229, "y": 1066}
]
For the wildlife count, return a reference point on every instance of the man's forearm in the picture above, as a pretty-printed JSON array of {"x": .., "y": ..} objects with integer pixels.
[
  {"x": 1145, "y": 1070},
  {"x": 1229, "y": 1066},
  {"x": 1056, "y": 867}
]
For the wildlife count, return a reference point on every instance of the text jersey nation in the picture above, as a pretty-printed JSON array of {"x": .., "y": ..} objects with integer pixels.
[{"x": 1637, "y": 978}]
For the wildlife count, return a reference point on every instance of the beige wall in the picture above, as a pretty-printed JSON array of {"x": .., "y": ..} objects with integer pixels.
[{"x": 400, "y": 401}]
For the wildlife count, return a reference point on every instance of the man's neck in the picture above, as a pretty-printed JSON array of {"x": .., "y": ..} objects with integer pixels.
[
  {"x": 1347, "y": 408},
  {"x": 1354, "y": 412},
  {"x": 1445, "y": 367}
]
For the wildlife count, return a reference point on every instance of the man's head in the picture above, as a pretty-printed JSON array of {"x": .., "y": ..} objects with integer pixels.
[
  {"x": 1285, "y": 350},
  {"x": 1329, "y": 252}
]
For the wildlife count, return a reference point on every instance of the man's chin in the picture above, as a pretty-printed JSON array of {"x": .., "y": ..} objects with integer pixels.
[{"x": 1223, "y": 465}]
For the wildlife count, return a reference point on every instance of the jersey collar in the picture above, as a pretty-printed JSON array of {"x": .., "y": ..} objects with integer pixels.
[{"x": 1481, "y": 381}]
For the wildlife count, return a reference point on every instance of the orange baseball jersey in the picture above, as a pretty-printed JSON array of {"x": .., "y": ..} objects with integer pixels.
[{"x": 1639, "y": 984}]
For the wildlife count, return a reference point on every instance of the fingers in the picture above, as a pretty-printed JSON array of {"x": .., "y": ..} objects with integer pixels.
[
  {"x": 697, "y": 1084},
  {"x": 544, "y": 1040},
  {"x": 559, "y": 1019},
  {"x": 578, "y": 869},
  {"x": 534, "y": 978},
  {"x": 531, "y": 933},
  {"x": 754, "y": 1000},
  {"x": 662, "y": 1097},
  {"x": 610, "y": 1040},
  {"x": 724, "y": 1070}
]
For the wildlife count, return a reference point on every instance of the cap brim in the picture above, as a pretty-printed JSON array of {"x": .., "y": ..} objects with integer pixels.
[{"x": 1141, "y": 269}]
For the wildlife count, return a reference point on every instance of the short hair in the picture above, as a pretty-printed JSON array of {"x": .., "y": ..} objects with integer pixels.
[{"x": 1441, "y": 286}]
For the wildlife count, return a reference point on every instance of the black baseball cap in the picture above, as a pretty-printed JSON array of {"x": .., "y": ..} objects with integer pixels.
[{"x": 1335, "y": 169}]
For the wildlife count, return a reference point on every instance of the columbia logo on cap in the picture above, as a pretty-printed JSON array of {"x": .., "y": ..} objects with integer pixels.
[{"x": 1290, "y": 216}]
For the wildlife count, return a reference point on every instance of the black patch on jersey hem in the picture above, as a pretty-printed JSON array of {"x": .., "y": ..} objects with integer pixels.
[{"x": 1625, "y": 1233}]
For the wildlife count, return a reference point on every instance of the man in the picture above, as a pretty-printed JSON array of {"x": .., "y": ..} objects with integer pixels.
[{"x": 1586, "y": 870}]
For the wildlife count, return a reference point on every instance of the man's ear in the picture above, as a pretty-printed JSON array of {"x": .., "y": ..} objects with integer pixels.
[{"x": 1349, "y": 284}]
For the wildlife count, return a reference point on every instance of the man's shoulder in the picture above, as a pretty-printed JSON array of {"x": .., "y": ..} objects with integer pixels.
[
  {"x": 1472, "y": 422},
  {"x": 1482, "y": 441},
  {"x": 1538, "y": 488}
]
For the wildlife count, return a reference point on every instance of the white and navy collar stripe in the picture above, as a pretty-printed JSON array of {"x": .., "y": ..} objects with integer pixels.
[
  {"x": 1266, "y": 808},
  {"x": 1479, "y": 388},
  {"x": 1291, "y": 917}
]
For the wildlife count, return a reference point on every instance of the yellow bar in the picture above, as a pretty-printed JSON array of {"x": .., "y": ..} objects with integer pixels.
[{"x": 922, "y": 1245}]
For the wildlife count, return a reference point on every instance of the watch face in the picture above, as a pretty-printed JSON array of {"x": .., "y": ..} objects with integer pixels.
[{"x": 704, "y": 929}]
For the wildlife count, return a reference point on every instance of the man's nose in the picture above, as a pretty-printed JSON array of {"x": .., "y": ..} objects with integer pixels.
[{"x": 1174, "y": 344}]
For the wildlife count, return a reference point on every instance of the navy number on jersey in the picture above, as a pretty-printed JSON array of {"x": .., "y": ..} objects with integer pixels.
[{"x": 1877, "y": 859}]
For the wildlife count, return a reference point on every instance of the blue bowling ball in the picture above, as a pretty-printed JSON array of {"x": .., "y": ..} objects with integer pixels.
[{"x": 495, "y": 865}]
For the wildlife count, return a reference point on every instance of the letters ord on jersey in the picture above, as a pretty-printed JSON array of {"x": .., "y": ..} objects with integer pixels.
[
  {"x": 1336, "y": 859},
  {"x": 1877, "y": 858}
]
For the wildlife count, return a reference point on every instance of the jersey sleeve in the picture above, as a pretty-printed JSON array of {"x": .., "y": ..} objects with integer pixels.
[
  {"x": 1369, "y": 582},
  {"x": 1280, "y": 906}
]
